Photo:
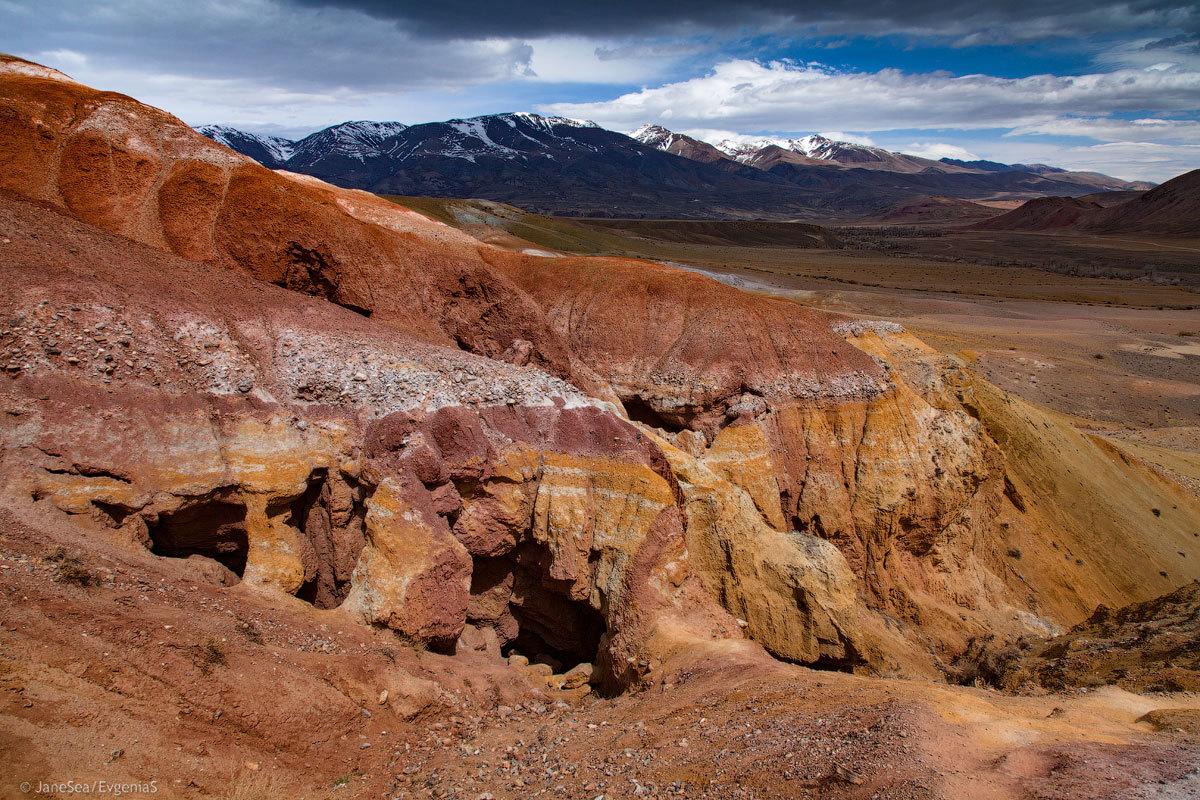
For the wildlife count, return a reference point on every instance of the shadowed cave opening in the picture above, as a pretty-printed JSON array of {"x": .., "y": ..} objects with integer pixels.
[
  {"x": 531, "y": 613},
  {"x": 330, "y": 517},
  {"x": 639, "y": 410},
  {"x": 317, "y": 273},
  {"x": 214, "y": 527}
]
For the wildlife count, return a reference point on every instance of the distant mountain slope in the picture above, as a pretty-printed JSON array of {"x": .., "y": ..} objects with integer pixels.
[
  {"x": 678, "y": 144},
  {"x": 1172, "y": 208},
  {"x": 347, "y": 154},
  {"x": 1097, "y": 179},
  {"x": 560, "y": 166},
  {"x": 1040, "y": 214},
  {"x": 270, "y": 151}
]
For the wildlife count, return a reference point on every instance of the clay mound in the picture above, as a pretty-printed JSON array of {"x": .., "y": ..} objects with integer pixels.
[
  {"x": 927, "y": 208},
  {"x": 683, "y": 349},
  {"x": 280, "y": 441},
  {"x": 1172, "y": 208},
  {"x": 140, "y": 172},
  {"x": 1040, "y": 214}
]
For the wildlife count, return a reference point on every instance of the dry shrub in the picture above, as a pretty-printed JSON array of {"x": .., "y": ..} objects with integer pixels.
[
  {"x": 211, "y": 654},
  {"x": 70, "y": 569}
]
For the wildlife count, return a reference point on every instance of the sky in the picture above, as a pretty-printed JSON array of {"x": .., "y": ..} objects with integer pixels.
[{"x": 1109, "y": 87}]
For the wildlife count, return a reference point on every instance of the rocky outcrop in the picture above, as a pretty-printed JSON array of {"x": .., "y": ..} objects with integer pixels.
[
  {"x": 299, "y": 449},
  {"x": 824, "y": 436},
  {"x": 1143, "y": 647}
]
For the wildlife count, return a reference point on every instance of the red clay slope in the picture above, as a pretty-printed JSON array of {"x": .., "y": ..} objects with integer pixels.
[
  {"x": 137, "y": 171},
  {"x": 140, "y": 172},
  {"x": 687, "y": 346}
]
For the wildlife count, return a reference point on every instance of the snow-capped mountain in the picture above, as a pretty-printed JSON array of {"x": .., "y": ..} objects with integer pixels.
[
  {"x": 557, "y": 165},
  {"x": 360, "y": 140},
  {"x": 812, "y": 146},
  {"x": 660, "y": 138},
  {"x": 269, "y": 150},
  {"x": 566, "y": 166},
  {"x": 768, "y": 151},
  {"x": 793, "y": 159},
  {"x": 504, "y": 136}
]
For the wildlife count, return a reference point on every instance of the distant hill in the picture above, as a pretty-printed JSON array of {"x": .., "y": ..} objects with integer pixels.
[
  {"x": 1099, "y": 180},
  {"x": 925, "y": 208},
  {"x": 1040, "y": 214},
  {"x": 1172, "y": 209}
]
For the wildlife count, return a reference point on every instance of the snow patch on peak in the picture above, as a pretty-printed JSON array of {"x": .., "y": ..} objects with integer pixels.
[
  {"x": 368, "y": 128},
  {"x": 475, "y": 128},
  {"x": 650, "y": 130},
  {"x": 814, "y": 145},
  {"x": 276, "y": 148},
  {"x": 654, "y": 136},
  {"x": 742, "y": 149},
  {"x": 548, "y": 122},
  {"x": 357, "y": 139}
]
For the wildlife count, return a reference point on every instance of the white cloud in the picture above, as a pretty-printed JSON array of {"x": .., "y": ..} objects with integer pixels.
[
  {"x": 842, "y": 136},
  {"x": 64, "y": 59},
  {"x": 789, "y": 98},
  {"x": 306, "y": 50},
  {"x": 784, "y": 96},
  {"x": 1178, "y": 51},
  {"x": 1165, "y": 131},
  {"x": 580, "y": 60},
  {"x": 938, "y": 150}
]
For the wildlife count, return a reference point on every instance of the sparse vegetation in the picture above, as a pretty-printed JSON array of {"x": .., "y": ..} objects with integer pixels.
[
  {"x": 416, "y": 645},
  {"x": 70, "y": 569},
  {"x": 211, "y": 654}
]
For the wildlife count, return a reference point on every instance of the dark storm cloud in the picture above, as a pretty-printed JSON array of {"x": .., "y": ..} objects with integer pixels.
[
  {"x": 1184, "y": 42},
  {"x": 1005, "y": 20},
  {"x": 302, "y": 49}
]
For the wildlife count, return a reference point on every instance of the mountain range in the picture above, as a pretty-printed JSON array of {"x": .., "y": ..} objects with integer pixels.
[{"x": 561, "y": 166}]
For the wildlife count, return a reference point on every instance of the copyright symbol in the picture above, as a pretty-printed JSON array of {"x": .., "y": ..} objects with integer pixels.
[{"x": 25, "y": 787}]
